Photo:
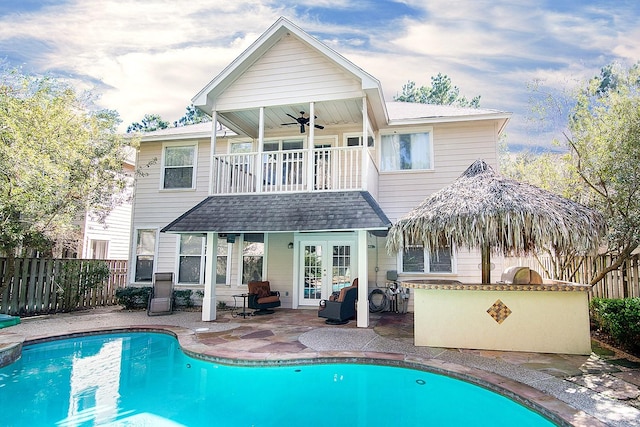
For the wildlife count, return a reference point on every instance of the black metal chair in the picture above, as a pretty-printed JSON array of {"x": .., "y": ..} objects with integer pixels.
[
  {"x": 341, "y": 310},
  {"x": 261, "y": 298}
]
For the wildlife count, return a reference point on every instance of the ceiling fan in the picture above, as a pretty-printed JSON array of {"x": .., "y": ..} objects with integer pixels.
[{"x": 302, "y": 121}]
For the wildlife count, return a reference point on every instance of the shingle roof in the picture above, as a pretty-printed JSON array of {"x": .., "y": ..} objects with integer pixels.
[{"x": 312, "y": 211}]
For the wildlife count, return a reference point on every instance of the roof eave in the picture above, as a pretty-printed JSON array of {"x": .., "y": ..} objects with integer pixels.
[{"x": 452, "y": 119}]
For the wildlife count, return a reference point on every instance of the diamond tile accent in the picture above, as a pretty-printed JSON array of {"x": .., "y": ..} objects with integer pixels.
[{"x": 499, "y": 311}]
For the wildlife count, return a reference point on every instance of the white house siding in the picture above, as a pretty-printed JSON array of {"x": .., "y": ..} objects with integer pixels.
[
  {"x": 456, "y": 147},
  {"x": 289, "y": 72},
  {"x": 116, "y": 229},
  {"x": 155, "y": 208}
]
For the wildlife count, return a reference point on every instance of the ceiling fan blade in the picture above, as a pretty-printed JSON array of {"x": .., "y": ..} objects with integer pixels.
[
  {"x": 287, "y": 124},
  {"x": 318, "y": 127},
  {"x": 301, "y": 128},
  {"x": 294, "y": 118}
]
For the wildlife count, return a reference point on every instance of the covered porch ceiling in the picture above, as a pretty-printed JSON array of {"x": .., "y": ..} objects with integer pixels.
[{"x": 278, "y": 119}]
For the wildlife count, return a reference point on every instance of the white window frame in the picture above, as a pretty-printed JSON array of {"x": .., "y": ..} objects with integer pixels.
[
  {"x": 427, "y": 263},
  {"x": 194, "y": 166},
  {"x": 228, "y": 256},
  {"x": 134, "y": 253},
  {"x": 202, "y": 260},
  {"x": 240, "y": 263},
  {"x": 407, "y": 131},
  {"x": 370, "y": 136}
]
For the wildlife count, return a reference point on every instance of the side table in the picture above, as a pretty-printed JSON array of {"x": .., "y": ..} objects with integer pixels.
[{"x": 244, "y": 313}]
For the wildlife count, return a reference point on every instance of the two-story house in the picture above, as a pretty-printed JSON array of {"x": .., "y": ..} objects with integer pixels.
[{"x": 297, "y": 179}]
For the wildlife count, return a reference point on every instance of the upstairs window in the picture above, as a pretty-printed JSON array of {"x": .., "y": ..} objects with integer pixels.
[
  {"x": 407, "y": 151},
  {"x": 179, "y": 166},
  {"x": 415, "y": 259},
  {"x": 355, "y": 141}
]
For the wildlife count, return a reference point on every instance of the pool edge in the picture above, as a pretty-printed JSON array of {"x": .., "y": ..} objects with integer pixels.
[{"x": 546, "y": 405}]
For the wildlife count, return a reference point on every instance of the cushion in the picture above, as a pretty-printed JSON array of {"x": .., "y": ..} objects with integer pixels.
[
  {"x": 262, "y": 289},
  {"x": 270, "y": 298}
]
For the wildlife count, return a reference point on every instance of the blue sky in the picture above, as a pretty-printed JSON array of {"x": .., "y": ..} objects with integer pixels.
[{"x": 152, "y": 56}]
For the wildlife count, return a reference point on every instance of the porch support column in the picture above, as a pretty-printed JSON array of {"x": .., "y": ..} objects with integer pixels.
[
  {"x": 214, "y": 135},
  {"x": 259, "y": 170},
  {"x": 310, "y": 171},
  {"x": 365, "y": 149},
  {"x": 209, "y": 299},
  {"x": 363, "y": 280}
]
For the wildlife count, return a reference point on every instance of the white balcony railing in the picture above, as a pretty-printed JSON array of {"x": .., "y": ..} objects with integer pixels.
[{"x": 333, "y": 168}]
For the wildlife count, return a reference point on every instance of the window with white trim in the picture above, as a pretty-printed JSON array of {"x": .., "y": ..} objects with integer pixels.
[
  {"x": 252, "y": 257},
  {"x": 222, "y": 255},
  {"x": 355, "y": 141},
  {"x": 191, "y": 259},
  {"x": 145, "y": 255},
  {"x": 416, "y": 259},
  {"x": 407, "y": 151},
  {"x": 179, "y": 166}
]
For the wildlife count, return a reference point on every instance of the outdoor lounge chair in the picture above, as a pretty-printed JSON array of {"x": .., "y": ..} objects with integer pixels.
[
  {"x": 340, "y": 310},
  {"x": 261, "y": 298},
  {"x": 161, "y": 297}
]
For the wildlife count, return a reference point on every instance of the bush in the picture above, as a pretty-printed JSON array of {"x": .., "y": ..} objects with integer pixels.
[
  {"x": 619, "y": 318},
  {"x": 182, "y": 298},
  {"x": 133, "y": 297}
]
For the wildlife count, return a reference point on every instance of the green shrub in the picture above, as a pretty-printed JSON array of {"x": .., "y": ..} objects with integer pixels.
[
  {"x": 182, "y": 298},
  {"x": 619, "y": 318},
  {"x": 133, "y": 297}
]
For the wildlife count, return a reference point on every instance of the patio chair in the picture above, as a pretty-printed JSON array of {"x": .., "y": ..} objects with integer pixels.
[
  {"x": 261, "y": 298},
  {"x": 342, "y": 309},
  {"x": 161, "y": 297}
]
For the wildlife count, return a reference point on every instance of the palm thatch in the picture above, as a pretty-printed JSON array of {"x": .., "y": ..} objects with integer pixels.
[{"x": 483, "y": 209}]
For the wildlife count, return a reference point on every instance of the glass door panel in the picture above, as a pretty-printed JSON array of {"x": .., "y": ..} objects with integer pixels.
[
  {"x": 313, "y": 274},
  {"x": 325, "y": 268}
]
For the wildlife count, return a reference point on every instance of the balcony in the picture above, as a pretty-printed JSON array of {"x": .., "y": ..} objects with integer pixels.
[{"x": 332, "y": 168}]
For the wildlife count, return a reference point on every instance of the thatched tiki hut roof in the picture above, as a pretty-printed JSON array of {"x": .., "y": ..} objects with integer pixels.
[{"x": 484, "y": 209}]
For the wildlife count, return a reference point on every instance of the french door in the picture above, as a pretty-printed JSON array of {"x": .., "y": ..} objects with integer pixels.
[{"x": 326, "y": 266}]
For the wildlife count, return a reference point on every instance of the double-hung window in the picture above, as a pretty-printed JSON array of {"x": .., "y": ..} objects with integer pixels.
[
  {"x": 179, "y": 166},
  {"x": 145, "y": 254},
  {"x": 416, "y": 259},
  {"x": 191, "y": 259},
  {"x": 222, "y": 255},
  {"x": 252, "y": 257},
  {"x": 407, "y": 151}
]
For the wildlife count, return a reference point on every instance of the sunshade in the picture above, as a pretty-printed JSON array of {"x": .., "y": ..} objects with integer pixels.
[{"x": 499, "y": 215}]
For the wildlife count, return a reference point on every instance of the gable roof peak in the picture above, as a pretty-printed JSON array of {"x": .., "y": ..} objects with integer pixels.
[{"x": 282, "y": 27}]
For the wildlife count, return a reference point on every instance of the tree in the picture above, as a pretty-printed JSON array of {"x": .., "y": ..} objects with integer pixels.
[
  {"x": 149, "y": 123},
  {"x": 441, "y": 92},
  {"x": 192, "y": 116},
  {"x": 603, "y": 136},
  {"x": 600, "y": 168},
  {"x": 58, "y": 159}
]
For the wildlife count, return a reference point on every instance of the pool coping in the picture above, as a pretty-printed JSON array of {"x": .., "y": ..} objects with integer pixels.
[{"x": 548, "y": 406}]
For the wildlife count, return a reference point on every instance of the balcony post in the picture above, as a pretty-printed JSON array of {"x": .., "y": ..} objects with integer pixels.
[
  {"x": 259, "y": 168},
  {"x": 214, "y": 134},
  {"x": 310, "y": 165},
  {"x": 365, "y": 149}
]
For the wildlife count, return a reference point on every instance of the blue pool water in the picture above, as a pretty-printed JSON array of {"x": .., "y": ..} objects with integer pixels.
[{"x": 144, "y": 379}]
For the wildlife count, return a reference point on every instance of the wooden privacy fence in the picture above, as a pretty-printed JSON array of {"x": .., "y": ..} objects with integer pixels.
[
  {"x": 621, "y": 283},
  {"x": 43, "y": 285}
]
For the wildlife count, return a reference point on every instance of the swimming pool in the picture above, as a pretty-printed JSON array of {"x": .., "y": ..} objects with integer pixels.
[{"x": 145, "y": 379}]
